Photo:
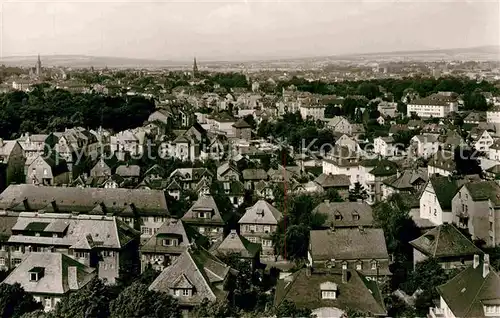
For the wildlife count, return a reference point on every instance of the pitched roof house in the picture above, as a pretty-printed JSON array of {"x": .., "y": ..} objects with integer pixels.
[
  {"x": 204, "y": 215},
  {"x": 345, "y": 214},
  {"x": 50, "y": 276}
]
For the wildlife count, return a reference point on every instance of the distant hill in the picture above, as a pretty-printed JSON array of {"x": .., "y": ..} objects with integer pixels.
[{"x": 80, "y": 61}]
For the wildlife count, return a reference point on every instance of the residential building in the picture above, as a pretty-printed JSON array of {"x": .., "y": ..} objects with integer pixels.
[
  {"x": 141, "y": 209},
  {"x": 442, "y": 163},
  {"x": 48, "y": 277},
  {"x": 345, "y": 214},
  {"x": 342, "y": 161},
  {"x": 205, "y": 217},
  {"x": 228, "y": 171},
  {"x": 12, "y": 162},
  {"x": 242, "y": 130},
  {"x": 493, "y": 117},
  {"x": 346, "y": 141},
  {"x": 339, "y": 124},
  {"x": 410, "y": 181},
  {"x": 258, "y": 223},
  {"x": 482, "y": 141},
  {"x": 447, "y": 245},
  {"x": 362, "y": 249},
  {"x": 235, "y": 243},
  {"x": 340, "y": 183},
  {"x": 476, "y": 207},
  {"x": 388, "y": 109},
  {"x": 472, "y": 293},
  {"x": 494, "y": 151},
  {"x": 189, "y": 178},
  {"x": 435, "y": 201},
  {"x": 384, "y": 146},
  {"x": 194, "y": 276},
  {"x": 312, "y": 111},
  {"x": 253, "y": 176},
  {"x": 100, "y": 242},
  {"x": 172, "y": 239},
  {"x": 424, "y": 145},
  {"x": 48, "y": 171},
  {"x": 437, "y": 105},
  {"x": 374, "y": 179}
]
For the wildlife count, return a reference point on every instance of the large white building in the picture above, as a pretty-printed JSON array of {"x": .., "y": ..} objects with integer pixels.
[
  {"x": 316, "y": 111},
  {"x": 437, "y": 105}
]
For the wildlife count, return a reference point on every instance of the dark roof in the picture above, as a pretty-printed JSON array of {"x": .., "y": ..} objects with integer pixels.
[
  {"x": 445, "y": 240},
  {"x": 484, "y": 190},
  {"x": 348, "y": 244},
  {"x": 384, "y": 168},
  {"x": 6, "y": 224},
  {"x": 235, "y": 243},
  {"x": 205, "y": 203},
  {"x": 240, "y": 124},
  {"x": 407, "y": 179},
  {"x": 254, "y": 174},
  {"x": 352, "y": 214},
  {"x": 467, "y": 292},
  {"x": 445, "y": 189},
  {"x": 356, "y": 294},
  {"x": 333, "y": 181},
  {"x": 83, "y": 200},
  {"x": 202, "y": 270}
]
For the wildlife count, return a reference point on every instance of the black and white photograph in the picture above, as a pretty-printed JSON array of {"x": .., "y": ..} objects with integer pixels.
[{"x": 249, "y": 158}]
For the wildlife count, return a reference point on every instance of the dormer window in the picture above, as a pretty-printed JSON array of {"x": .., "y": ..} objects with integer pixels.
[
  {"x": 355, "y": 216},
  {"x": 338, "y": 217},
  {"x": 36, "y": 273},
  {"x": 169, "y": 242},
  {"x": 260, "y": 213},
  {"x": 328, "y": 290},
  {"x": 374, "y": 265},
  {"x": 344, "y": 265},
  {"x": 359, "y": 265}
]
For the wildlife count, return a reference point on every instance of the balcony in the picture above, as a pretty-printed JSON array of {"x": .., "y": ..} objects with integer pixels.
[{"x": 436, "y": 313}]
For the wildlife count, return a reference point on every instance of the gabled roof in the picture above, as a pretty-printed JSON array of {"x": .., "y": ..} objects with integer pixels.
[
  {"x": 61, "y": 274},
  {"x": 445, "y": 189},
  {"x": 254, "y": 174},
  {"x": 407, "y": 179},
  {"x": 261, "y": 212},
  {"x": 445, "y": 240},
  {"x": 384, "y": 168},
  {"x": 128, "y": 171},
  {"x": 241, "y": 124},
  {"x": 205, "y": 203},
  {"x": 235, "y": 243},
  {"x": 198, "y": 267},
  {"x": 467, "y": 292},
  {"x": 348, "y": 244},
  {"x": 357, "y": 293}
]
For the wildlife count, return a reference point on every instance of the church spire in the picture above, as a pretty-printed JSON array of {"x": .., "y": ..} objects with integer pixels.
[
  {"x": 38, "y": 66},
  {"x": 195, "y": 68}
]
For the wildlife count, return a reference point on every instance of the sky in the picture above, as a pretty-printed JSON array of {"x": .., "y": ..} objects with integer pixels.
[{"x": 232, "y": 30}]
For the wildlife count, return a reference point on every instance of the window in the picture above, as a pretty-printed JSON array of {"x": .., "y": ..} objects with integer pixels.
[
  {"x": 252, "y": 239},
  {"x": 215, "y": 230},
  {"x": 80, "y": 254},
  {"x": 267, "y": 228},
  {"x": 328, "y": 294},
  {"x": 338, "y": 217},
  {"x": 201, "y": 229},
  {"x": 146, "y": 230},
  {"x": 185, "y": 292},
  {"x": 33, "y": 277},
  {"x": 253, "y": 228},
  {"x": 491, "y": 226},
  {"x": 359, "y": 266},
  {"x": 2, "y": 261},
  {"x": 158, "y": 219},
  {"x": 16, "y": 261},
  {"x": 374, "y": 264},
  {"x": 435, "y": 212},
  {"x": 344, "y": 265},
  {"x": 267, "y": 243},
  {"x": 106, "y": 253},
  {"x": 48, "y": 302}
]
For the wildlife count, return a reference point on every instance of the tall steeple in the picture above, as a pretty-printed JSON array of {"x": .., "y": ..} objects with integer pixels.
[
  {"x": 38, "y": 66},
  {"x": 195, "y": 68}
]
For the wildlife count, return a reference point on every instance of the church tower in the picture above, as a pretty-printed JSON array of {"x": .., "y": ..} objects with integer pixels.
[
  {"x": 38, "y": 67},
  {"x": 195, "y": 68}
]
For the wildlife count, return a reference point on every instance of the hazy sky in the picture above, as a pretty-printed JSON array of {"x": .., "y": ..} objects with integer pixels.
[{"x": 242, "y": 29}]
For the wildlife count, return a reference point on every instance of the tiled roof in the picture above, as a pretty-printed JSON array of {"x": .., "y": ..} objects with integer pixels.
[
  {"x": 484, "y": 190},
  {"x": 261, "y": 212},
  {"x": 176, "y": 229},
  {"x": 384, "y": 168},
  {"x": 467, "y": 292},
  {"x": 254, "y": 174},
  {"x": 357, "y": 293},
  {"x": 235, "y": 243},
  {"x": 241, "y": 124},
  {"x": 202, "y": 270},
  {"x": 128, "y": 171},
  {"x": 107, "y": 232},
  {"x": 407, "y": 179},
  {"x": 60, "y": 274},
  {"x": 348, "y": 244},
  {"x": 83, "y": 200},
  {"x": 445, "y": 241},
  {"x": 351, "y": 214},
  {"x": 205, "y": 203},
  {"x": 445, "y": 189},
  {"x": 333, "y": 181}
]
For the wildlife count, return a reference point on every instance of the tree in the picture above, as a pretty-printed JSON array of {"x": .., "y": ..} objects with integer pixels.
[
  {"x": 427, "y": 275},
  {"x": 289, "y": 309},
  {"x": 393, "y": 216},
  {"x": 357, "y": 193},
  {"x": 466, "y": 161},
  {"x": 208, "y": 309},
  {"x": 90, "y": 301},
  {"x": 369, "y": 90},
  {"x": 15, "y": 302},
  {"x": 138, "y": 301},
  {"x": 291, "y": 241},
  {"x": 475, "y": 101}
]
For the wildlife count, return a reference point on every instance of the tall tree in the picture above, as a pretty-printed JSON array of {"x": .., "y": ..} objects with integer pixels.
[{"x": 15, "y": 301}]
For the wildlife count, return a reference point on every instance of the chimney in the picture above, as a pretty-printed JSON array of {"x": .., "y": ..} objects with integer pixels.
[
  {"x": 72, "y": 278},
  {"x": 486, "y": 265},
  {"x": 344, "y": 275},
  {"x": 475, "y": 263}
]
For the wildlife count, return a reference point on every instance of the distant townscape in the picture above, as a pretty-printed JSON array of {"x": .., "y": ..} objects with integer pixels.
[{"x": 342, "y": 188}]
